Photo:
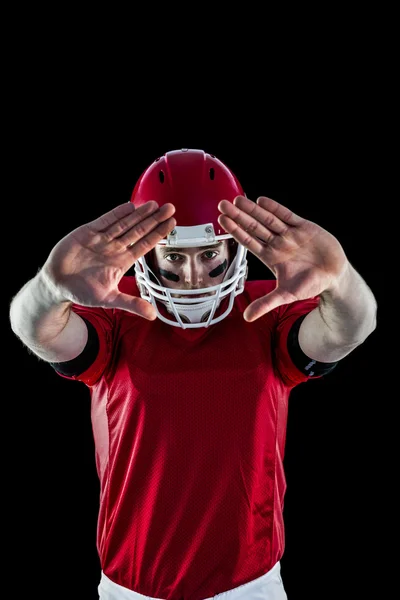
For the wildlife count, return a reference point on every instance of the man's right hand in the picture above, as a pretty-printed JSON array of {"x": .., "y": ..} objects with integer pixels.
[{"x": 86, "y": 266}]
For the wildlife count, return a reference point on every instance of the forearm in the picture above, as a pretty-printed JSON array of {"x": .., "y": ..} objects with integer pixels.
[
  {"x": 345, "y": 317},
  {"x": 44, "y": 322}
]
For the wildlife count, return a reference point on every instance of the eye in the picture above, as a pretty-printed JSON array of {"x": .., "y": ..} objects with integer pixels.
[
  {"x": 174, "y": 257},
  {"x": 168, "y": 256}
]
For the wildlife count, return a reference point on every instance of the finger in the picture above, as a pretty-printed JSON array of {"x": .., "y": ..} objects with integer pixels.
[
  {"x": 260, "y": 223},
  {"x": 143, "y": 245},
  {"x": 263, "y": 305},
  {"x": 283, "y": 213},
  {"x": 144, "y": 227},
  {"x": 246, "y": 223},
  {"x": 268, "y": 219},
  {"x": 135, "y": 305},
  {"x": 241, "y": 236},
  {"x": 111, "y": 217},
  {"x": 124, "y": 224}
]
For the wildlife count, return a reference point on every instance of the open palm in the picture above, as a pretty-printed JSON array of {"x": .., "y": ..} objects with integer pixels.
[{"x": 305, "y": 258}]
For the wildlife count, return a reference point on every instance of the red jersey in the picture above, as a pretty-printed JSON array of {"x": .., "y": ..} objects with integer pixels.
[{"x": 189, "y": 429}]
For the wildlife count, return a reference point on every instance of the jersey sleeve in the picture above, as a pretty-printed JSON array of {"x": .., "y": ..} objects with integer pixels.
[
  {"x": 281, "y": 327},
  {"x": 102, "y": 324},
  {"x": 90, "y": 365},
  {"x": 293, "y": 365}
]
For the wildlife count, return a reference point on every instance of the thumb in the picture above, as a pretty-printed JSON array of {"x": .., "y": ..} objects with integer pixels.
[
  {"x": 135, "y": 305},
  {"x": 263, "y": 305}
]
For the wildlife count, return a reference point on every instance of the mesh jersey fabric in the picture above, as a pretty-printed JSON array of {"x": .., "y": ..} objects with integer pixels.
[{"x": 189, "y": 430}]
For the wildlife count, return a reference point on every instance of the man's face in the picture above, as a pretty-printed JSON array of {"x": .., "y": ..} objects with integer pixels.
[{"x": 191, "y": 268}]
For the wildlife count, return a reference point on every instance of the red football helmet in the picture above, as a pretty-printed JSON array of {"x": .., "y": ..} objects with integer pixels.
[{"x": 194, "y": 182}]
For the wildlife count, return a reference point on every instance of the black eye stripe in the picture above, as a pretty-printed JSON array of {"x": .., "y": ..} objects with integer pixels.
[
  {"x": 169, "y": 275},
  {"x": 218, "y": 270}
]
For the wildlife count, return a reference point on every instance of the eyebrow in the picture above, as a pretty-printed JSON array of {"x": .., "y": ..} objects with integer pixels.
[{"x": 202, "y": 248}]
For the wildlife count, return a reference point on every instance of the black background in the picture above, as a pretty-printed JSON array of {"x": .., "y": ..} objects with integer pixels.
[{"x": 75, "y": 150}]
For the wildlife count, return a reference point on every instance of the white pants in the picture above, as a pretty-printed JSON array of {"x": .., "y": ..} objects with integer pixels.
[{"x": 266, "y": 587}]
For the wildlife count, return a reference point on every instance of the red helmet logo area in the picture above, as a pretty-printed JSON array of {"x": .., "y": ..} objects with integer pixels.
[{"x": 194, "y": 182}]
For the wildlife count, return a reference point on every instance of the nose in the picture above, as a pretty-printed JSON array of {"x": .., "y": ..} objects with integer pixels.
[{"x": 193, "y": 275}]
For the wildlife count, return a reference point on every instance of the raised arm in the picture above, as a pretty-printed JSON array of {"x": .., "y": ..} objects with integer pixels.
[
  {"x": 307, "y": 261},
  {"x": 85, "y": 268},
  {"x": 345, "y": 317}
]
